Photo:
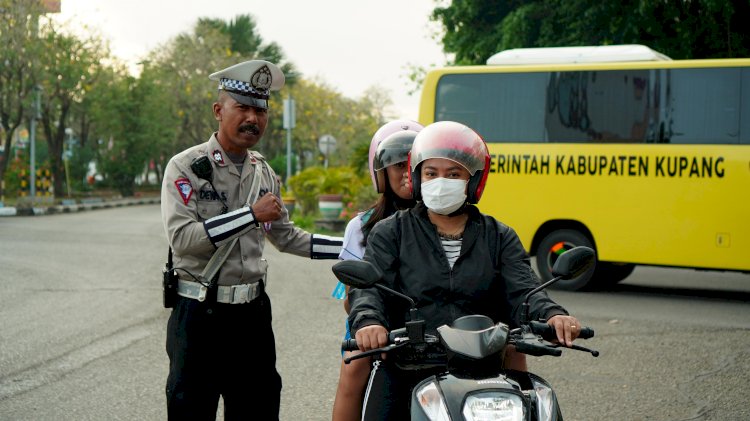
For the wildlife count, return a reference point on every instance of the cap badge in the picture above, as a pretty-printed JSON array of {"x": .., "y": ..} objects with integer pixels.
[{"x": 261, "y": 79}]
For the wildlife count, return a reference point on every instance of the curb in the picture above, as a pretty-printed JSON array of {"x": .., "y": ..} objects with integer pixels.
[{"x": 71, "y": 208}]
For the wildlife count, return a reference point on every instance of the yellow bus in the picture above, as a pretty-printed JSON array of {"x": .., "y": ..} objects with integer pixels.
[{"x": 643, "y": 158}]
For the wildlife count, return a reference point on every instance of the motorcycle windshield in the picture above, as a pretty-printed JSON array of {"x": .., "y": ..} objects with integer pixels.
[{"x": 474, "y": 336}]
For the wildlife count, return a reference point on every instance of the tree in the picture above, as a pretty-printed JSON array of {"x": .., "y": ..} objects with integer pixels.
[
  {"x": 69, "y": 65},
  {"x": 181, "y": 68},
  {"x": 476, "y": 29},
  {"x": 321, "y": 110},
  {"x": 162, "y": 131},
  {"x": 18, "y": 49},
  {"x": 246, "y": 41},
  {"x": 472, "y": 27},
  {"x": 136, "y": 104},
  {"x": 127, "y": 121}
]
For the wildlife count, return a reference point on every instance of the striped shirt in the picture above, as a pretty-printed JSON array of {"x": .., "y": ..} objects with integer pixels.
[{"x": 452, "y": 249}]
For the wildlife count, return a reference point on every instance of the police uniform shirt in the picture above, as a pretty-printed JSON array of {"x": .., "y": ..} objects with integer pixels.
[{"x": 189, "y": 204}]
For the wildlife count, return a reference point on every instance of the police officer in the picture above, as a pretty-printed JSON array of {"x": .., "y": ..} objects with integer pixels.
[{"x": 220, "y": 202}]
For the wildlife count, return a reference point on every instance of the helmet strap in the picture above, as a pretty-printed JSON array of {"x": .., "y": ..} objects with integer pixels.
[{"x": 416, "y": 181}]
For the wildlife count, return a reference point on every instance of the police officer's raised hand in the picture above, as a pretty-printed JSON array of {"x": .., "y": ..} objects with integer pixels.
[{"x": 268, "y": 208}]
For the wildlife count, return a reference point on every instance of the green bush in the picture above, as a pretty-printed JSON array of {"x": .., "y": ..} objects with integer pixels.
[
  {"x": 307, "y": 223},
  {"x": 279, "y": 165},
  {"x": 307, "y": 185},
  {"x": 365, "y": 198}
]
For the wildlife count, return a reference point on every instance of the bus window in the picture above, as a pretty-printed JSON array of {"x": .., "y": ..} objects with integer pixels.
[
  {"x": 745, "y": 108},
  {"x": 704, "y": 106},
  {"x": 515, "y": 99},
  {"x": 602, "y": 106}
]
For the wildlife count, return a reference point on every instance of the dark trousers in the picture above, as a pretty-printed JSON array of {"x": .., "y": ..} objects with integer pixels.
[
  {"x": 225, "y": 350},
  {"x": 388, "y": 394}
]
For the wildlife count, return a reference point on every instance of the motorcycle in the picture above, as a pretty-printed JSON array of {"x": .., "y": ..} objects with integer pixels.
[{"x": 471, "y": 384}]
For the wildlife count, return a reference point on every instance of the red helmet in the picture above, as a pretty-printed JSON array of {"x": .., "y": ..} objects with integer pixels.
[
  {"x": 384, "y": 131},
  {"x": 392, "y": 150},
  {"x": 454, "y": 141}
]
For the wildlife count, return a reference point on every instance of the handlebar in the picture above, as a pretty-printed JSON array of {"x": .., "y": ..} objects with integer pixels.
[
  {"x": 586, "y": 333},
  {"x": 543, "y": 329},
  {"x": 548, "y": 332},
  {"x": 349, "y": 345},
  {"x": 522, "y": 344},
  {"x": 537, "y": 349}
]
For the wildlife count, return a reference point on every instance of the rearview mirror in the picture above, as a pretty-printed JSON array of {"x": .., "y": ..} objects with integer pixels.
[
  {"x": 357, "y": 273},
  {"x": 574, "y": 262}
]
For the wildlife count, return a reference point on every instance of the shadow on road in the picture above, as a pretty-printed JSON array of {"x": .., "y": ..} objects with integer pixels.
[{"x": 709, "y": 294}]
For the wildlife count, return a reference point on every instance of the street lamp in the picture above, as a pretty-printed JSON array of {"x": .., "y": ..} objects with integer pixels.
[
  {"x": 35, "y": 115},
  {"x": 289, "y": 123},
  {"x": 67, "y": 152}
]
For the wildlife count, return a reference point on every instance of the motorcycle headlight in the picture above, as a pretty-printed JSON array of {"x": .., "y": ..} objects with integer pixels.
[
  {"x": 431, "y": 401},
  {"x": 493, "y": 406},
  {"x": 546, "y": 403}
]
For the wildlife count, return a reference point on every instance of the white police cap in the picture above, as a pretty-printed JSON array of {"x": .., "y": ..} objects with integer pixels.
[{"x": 250, "y": 82}]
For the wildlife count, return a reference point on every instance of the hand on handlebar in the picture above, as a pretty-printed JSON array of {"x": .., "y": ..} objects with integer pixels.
[
  {"x": 567, "y": 328},
  {"x": 371, "y": 337}
]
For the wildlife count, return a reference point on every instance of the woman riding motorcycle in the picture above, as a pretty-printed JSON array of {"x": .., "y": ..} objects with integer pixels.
[
  {"x": 446, "y": 255},
  {"x": 389, "y": 149}
]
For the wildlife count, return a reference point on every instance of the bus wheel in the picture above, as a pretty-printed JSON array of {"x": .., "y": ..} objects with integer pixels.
[{"x": 551, "y": 247}]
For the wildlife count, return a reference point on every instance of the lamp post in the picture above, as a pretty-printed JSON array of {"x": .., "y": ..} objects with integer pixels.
[
  {"x": 289, "y": 123},
  {"x": 35, "y": 115},
  {"x": 66, "y": 156}
]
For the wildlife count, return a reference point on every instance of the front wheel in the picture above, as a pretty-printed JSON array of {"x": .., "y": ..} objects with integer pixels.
[{"x": 555, "y": 244}]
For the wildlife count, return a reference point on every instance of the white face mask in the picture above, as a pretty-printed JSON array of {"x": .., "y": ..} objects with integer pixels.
[{"x": 443, "y": 195}]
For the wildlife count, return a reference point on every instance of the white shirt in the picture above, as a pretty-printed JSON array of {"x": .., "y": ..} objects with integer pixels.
[
  {"x": 353, "y": 238},
  {"x": 351, "y": 250}
]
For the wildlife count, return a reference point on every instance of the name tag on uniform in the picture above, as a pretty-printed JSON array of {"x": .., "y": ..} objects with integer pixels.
[{"x": 212, "y": 195}]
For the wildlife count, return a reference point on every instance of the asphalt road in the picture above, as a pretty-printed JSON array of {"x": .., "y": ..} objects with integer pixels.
[{"x": 82, "y": 331}]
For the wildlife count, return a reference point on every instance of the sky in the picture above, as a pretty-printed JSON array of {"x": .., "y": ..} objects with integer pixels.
[{"x": 350, "y": 45}]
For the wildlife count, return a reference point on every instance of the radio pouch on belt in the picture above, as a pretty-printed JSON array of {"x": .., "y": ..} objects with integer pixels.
[{"x": 169, "y": 283}]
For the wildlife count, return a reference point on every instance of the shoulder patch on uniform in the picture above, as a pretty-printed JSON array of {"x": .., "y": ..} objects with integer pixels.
[{"x": 184, "y": 188}]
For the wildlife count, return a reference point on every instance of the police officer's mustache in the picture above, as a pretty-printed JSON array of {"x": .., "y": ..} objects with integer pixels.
[{"x": 250, "y": 128}]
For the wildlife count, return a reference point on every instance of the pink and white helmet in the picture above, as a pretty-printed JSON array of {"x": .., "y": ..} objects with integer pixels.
[
  {"x": 454, "y": 141},
  {"x": 383, "y": 132}
]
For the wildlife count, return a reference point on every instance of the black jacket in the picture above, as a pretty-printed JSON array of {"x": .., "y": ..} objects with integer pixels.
[{"x": 491, "y": 276}]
